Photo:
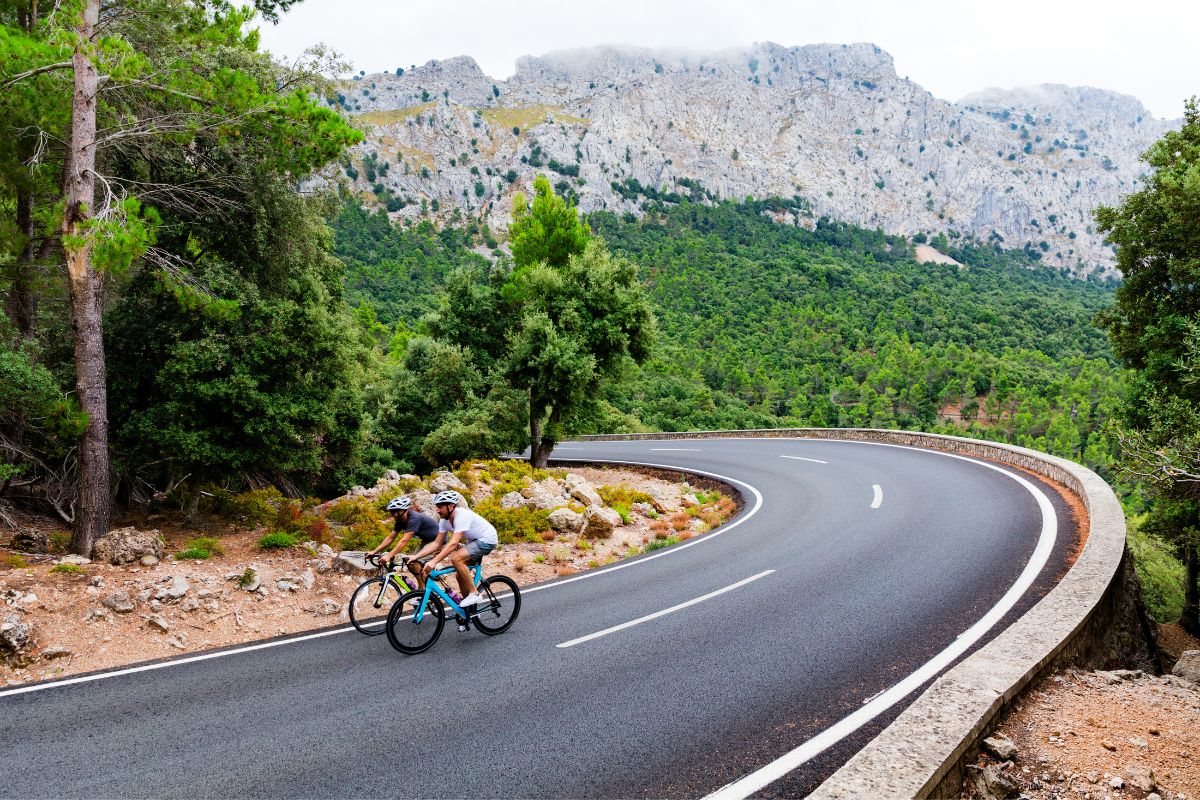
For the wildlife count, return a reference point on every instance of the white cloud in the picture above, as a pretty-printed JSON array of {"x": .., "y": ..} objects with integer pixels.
[{"x": 1145, "y": 49}]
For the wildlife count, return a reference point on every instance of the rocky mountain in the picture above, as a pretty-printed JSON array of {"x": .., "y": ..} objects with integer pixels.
[{"x": 831, "y": 128}]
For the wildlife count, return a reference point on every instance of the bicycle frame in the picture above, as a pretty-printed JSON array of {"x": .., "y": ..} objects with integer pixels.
[{"x": 432, "y": 586}]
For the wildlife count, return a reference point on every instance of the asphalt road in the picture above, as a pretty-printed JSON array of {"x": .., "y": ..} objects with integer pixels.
[{"x": 844, "y": 589}]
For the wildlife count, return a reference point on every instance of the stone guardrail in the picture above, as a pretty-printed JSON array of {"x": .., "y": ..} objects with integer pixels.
[{"x": 922, "y": 752}]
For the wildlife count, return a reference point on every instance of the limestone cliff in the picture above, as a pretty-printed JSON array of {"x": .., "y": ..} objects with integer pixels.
[{"x": 832, "y": 124}]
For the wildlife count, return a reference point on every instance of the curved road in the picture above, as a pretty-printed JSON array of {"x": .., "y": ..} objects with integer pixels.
[{"x": 860, "y": 564}]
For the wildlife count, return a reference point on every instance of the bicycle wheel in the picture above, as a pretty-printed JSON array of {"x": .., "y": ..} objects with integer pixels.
[
  {"x": 406, "y": 634},
  {"x": 502, "y": 604},
  {"x": 370, "y": 604}
]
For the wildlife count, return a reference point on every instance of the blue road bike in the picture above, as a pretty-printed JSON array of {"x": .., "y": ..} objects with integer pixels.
[{"x": 417, "y": 619}]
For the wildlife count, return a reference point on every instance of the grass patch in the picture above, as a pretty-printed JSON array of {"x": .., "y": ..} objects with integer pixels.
[
  {"x": 612, "y": 495},
  {"x": 395, "y": 115},
  {"x": 58, "y": 542},
  {"x": 277, "y": 541},
  {"x": 524, "y": 117},
  {"x": 14, "y": 561},
  {"x": 659, "y": 544},
  {"x": 1161, "y": 573},
  {"x": 201, "y": 548},
  {"x": 68, "y": 569}
]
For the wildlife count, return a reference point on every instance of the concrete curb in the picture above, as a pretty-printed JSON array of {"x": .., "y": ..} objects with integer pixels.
[{"x": 919, "y": 754}]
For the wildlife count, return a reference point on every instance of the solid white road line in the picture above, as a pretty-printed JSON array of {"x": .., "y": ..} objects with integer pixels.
[
  {"x": 665, "y": 611},
  {"x": 802, "y": 458},
  {"x": 757, "y": 780},
  {"x": 878, "y": 499},
  {"x": 675, "y": 449}
]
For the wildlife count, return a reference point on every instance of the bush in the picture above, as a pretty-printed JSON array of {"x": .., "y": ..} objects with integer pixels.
[
  {"x": 200, "y": 548},
  {"x": 246, "y": 578},
  {"x": 659, "y": 544},
  {"x": 59, "y": 541},
  {"x": 623, "y": 494},
  {"x": 1161, "y": 573},
  {"x": 363, "y": 535},
  {"x": 319, "y": 531},
  {"x": 354, "y": 510},
  {"x": 516, "y": 524},
  {"x": 14, "y": 561},
  {"x": 68, "y": 569},
  {"x": 277, "y": 540},
  {"x": 623, "y": 510},
  {"x": 287, "y": 517},
  {"x": 251, "y": 508}
]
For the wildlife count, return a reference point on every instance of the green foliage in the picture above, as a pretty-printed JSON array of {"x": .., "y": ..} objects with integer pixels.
[
  {"x": 1160, "y": 572},
  {"x": 352, "y": 510},
  {"x": 200, "y": 548},
  {"x": 59, "y": 541},
  {"x": 658, "y": 544},
  {"x": 622, "y": 494},
  {"x": 277, "y": 541},
  {"x": 68, "y": 569},
  {"x": 14, "y": 561},
  {"x": 252, "y": 508},
  {"x": 549, "y": 232},
  {"x": 516, "y": 524},
  {"x": 364, "y": 535},
  {"x": 247, "y": 578}
]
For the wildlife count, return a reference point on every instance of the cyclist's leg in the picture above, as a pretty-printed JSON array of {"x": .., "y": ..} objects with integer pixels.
[
  {"x": 459, "y": 559},
  {"x": 417, "y": 560}
]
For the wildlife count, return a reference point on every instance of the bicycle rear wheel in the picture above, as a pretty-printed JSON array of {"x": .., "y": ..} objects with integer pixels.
[
  {"x": 371, "y": 602},
  {"x": 501, "y": 605},
  {"x": 406, "y": 634}
]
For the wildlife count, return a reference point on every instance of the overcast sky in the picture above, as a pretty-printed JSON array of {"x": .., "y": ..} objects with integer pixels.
[{"x": 1147, "y": 48}]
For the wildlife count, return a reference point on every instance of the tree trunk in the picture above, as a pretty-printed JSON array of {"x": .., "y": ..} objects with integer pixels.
[
  {"x": 87, "y": 288},
  {"x": 1190, "y": 620},
  {"x": 538, "y": 455}
]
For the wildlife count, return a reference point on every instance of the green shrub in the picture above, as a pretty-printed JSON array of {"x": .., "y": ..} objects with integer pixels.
[
  {"x": 515, "y": 524},
  {"x": 365, "y": 534},
  {"x": 277, "y": 540},
  {"x": 250, "y": 508},
  {"x": 59, "y": 542},
  {"x": 1161, "y": 573},
  {"x": 353, "y": 510},
  {"x": 200, "y": 548},
  {"x": 611, "y": 495},
  {"x": 288, "y": 517},
  {"x": 658, "y": 544},
  {"x": 623, "y": 510},
  {"x": 246, "y": 578},
  {"x": 67, "y": 569},
  {"x": 14, "y": 561}
]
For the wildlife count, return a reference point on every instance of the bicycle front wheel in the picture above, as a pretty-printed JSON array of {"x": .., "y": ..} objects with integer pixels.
[
  {"x": 370, "y": 604},
  {"x": 500, "y": 606},
  {"x": 408, "y": 635}
]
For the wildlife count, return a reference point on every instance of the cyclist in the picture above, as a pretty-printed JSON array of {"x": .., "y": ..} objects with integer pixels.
[
  {"x": 470, "y": 536},
  {"x": 408, "y": 523}
]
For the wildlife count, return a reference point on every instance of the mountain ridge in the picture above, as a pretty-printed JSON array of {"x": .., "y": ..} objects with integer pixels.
[{"x": 832, "y": 126}]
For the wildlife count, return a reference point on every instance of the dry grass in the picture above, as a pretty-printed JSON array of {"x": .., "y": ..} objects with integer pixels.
[
  {"x": 381, "y": 118},
  {"x": 528, "y": 116}
]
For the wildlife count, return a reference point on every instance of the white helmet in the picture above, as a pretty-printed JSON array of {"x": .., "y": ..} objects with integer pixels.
[
  {"x": 448, "y": 496},
  {"x": 399, "y": 504}
]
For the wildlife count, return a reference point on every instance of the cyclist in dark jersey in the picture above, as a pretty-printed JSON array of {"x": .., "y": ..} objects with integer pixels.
[{"x": 410, "y": 523}]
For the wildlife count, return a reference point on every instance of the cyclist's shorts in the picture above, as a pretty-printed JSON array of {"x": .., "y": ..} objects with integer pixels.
[{"x": 478, "y": 549}]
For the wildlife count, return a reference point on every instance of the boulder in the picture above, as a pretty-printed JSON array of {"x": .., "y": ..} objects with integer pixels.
[
  {"x": 149, "y": 561},
  {"x": 391, "y": 476},
  {"x": 994, "y": 782},
  {"x": 1001, "y": 747},
  {"x": 512, "y": 500},
  {"x": 126, "y": 545},
  {"x": 585, "y": 494},
  {"x": 423, "y": 501},
  {"x": 16, "y": 637},
  {"x": 78, "y": 561},
  {"x": 689, "y": 500},
  {"x": 120, "y": 602},
  {"x": 545, "y": 495},
  {"x": 1140, "y": 777},
  {"x": 352, "y": 563},
  {"x": 658, "y": 499},
  {"x": 599, "y": 522},
  {"x": 1188, "y": 666},
  {"x": 159, "y": 624},
  {"x": 56, "y": 651},
  {"x": 443, "y": 481},
  {"x": 328, "y": 608},
  {"x": 178, "y": 588},
  {"x": 564, "y": 520},
  {"x": 29, "y": 540}
]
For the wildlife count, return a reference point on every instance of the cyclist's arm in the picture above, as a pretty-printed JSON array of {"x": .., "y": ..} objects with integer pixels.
[
  {"x": 399, "y": 544},
  {"x": 430, "y": 548},
  {"x": 383, "y": 545},
  {"x": 448, "y": 549}
]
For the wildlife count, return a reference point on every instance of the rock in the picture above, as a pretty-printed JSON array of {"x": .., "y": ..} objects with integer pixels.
[
  {"x": 1139, "y": 742},
  {"x": 1188, "y": 666},
  {"x": 994, "y": 782},
  {"x": 1107, "y": 745},
  {"x": 352, "y": 563},
  {"x": 254, "y": 585},
  {"x": 16, "y": 637},
  {"x": 307, "y": 579},
  {"x": 689, "y": 500},
  {"x": 658, "y": 499},
  {"x": 145, "y": 595},
  {"x": 1140, "y": 777},
  {"x": 178, "y": 588},
  {"x": 287, "y": 586},
  {"x": 120, "y": 602},
  {"x": 96, "y": 614},
  {"x": 585, "y": 494},
  {"x": 545, "y": 495},
  {"x": 1116, "y": 782},
  {"x": 126, "y": 545},
  {"x": 564, "y": 520},
  {"x": 328, "y": 608},
  {"x": 159, "y": 624},
  {"x": 149, "y": 561},
  {"x": 97, "y": 581},
  {"x": 1154, "y": 796},
  {"x": 1093, "y": 777},
  {"x": 1001, "y": 747},
  {"x": 189, "y": 605},
  {"x": 325, "y": 551},
  {"x": 55, "y": 651},
  {"x": 645, "y": 509},
  {"x": 78, "y": 561},
  {"x": 443, "y": 481},
  {"x": 28, "y": 600},
  {"x": 391, "y": 476},
  {"x": 320, "y": 565},
  {"x": 30, "y": 540},
  {"x": 512, "y": 500},
  {"x": 599, "y": 522}
]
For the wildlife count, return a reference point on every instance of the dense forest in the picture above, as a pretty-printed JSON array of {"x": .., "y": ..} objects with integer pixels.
[{"x": 767, "y": 325}]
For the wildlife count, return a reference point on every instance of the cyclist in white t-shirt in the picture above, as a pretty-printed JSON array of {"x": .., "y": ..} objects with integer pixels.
[{"x": 468, "y": 536}]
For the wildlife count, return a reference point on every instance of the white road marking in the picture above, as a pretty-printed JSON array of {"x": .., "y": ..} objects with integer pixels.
[
  {"x": 670, "y": 551},
  {"x": 665, "y": 611},
  {"x": 755, "y": 781},
  {"x": 802, "y": 458},
  {"x": 877, "y": 501},
  {"x": 675, "y": 449}
]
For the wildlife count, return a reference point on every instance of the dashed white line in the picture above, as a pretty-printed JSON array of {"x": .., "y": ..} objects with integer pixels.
[
  {"x": 877, "y": 501},
  {"x": 665, "y": 611},
  {"x": 675, "y": 449},
  {"x": 802, "y": 458}
]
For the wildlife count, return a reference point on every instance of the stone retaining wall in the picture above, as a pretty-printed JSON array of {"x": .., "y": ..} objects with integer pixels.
[{"x": 1090, "y": 615}]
